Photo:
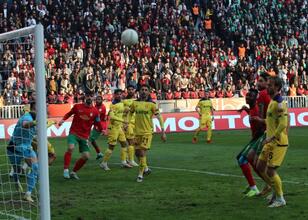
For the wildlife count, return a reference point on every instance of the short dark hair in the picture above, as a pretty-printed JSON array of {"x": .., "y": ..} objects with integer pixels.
[
  {"x": 130, "y": 86},
  {"x": 145, "y": 85},
  {"x": 277, "y": 82},
  {"x": 116, "y": 91},
  {"x": 264, "y": 76},
  {"x": 254, "y": 91}
]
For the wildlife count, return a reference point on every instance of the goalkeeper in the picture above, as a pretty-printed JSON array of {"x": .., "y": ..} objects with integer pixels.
[{"x": 20, "y": 148}]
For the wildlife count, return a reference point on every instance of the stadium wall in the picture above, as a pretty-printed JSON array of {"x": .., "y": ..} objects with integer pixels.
[{"x": 176, "y": 122}]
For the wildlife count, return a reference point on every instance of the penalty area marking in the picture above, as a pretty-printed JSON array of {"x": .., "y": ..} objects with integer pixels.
[
  {"x": 219, "y": 174},
  {"x": 13, "y": 216}
]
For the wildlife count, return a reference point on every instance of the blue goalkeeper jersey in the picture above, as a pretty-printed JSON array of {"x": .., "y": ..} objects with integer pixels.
[{"x": 23, "y": 136}]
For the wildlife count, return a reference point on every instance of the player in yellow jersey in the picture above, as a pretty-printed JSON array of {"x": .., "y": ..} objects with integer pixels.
[
  {"x": 276, "y": 142},
  {"x": 129, "y": 131},
  {"x": 144, "y": 109},
  {"x": 115, "y": 131},
  {"x": 205, "y": 111}
]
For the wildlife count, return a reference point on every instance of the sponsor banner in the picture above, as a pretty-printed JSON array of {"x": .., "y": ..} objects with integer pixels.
[
  {"x": 176, "y": 122},
  {"x": 188, "y": 105}
]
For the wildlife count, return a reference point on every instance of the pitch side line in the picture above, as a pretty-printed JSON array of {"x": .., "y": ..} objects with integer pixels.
[
  {"x": 203, "y": 172},
  {"x": 13, "y": 216},
  {"x": 219, "y": 174}
]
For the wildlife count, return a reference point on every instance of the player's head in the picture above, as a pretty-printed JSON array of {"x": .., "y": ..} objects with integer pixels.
[
  {"x": 206, "y": 94},
  {"x": 251, "y": 97},
  {"x": 262, "y": 81},
  {"x": 99, "y": 100},
  {"x": 33, "y": 110},
  {"x": 89, "y": 98},
  {"x": 117, "y": 94},
  {"x": 274, "y": 85},
  {"x": 144, "y": 92},
  {"x": 130, "y": 91}
]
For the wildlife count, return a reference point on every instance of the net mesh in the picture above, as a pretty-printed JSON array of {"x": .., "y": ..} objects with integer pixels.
[{"x": 17, "y": 88}]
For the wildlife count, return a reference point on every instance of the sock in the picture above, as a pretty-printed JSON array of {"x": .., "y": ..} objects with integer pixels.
[
  {"x": 97, "y": 149},
  {"x": 107, "y": 155},
  {"x": 209, "y": 132},
  {"x": 67, "y": 159},
  {"x": 276, "y": 182},
  {"x": 123, "y": 154},
  {"x": 79, "y": 163},
  {"x": 32, "y": 176},
  {"x": 197, "y": 132},
  {"x": 131, "y": 153},
  {"x": 247, "y": 173},
  {"x": 142, "y": 165}
]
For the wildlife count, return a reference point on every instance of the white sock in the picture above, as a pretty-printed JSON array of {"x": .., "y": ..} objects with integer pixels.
[{"x": 254, "y": 187}]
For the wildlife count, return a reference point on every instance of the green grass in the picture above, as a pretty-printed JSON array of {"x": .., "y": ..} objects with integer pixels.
[{"x": 191, "y": 193}]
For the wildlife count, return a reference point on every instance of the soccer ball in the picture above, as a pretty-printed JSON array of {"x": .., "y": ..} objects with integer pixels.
[{"x": 129, "y": 37}]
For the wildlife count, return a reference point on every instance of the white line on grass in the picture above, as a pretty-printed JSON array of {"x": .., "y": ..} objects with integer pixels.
[
  {"x": 219, "y": 174},
  {"x": 13, "y": 216},
  {"x": 205, "y": 172}
]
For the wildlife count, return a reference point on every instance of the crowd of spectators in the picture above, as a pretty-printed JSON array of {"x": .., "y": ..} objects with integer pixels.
[{"x": 184, "y": 49}]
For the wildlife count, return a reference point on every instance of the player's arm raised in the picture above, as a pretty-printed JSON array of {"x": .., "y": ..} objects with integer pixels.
[
  {"x": 161, "y": 123},
  {"x": 67, "y": 115},
  {"x": 198, "y": 110}
]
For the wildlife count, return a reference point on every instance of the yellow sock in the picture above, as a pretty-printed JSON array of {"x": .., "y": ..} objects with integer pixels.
[
  {"x": 123, "y": 153},
  {"x": 276, "y": 182},
  {"x": 209, "y": 133},
  {"x": 142, "y": 165},
  {"x": 107, "y": 155},
  {"x": 131, "y": 152}
]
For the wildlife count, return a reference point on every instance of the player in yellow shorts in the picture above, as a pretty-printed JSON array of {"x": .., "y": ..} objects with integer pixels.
[
  {"x": 205, "y": 111},
  {"x": 144, "y": 109},
  {"x": 129, "y": 131},
  {"x": 276, "y": 142},
  {"x": 51, "y": 150},
  {"x": 115, "y": 131}
]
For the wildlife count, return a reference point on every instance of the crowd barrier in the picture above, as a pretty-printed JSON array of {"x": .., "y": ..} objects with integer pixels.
[
  {"x": 175, "y": 122},
  {"x": 11, "y": 111},
  {"x": 166, "y": 106}
]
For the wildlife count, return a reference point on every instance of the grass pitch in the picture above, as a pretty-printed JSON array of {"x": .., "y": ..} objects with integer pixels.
[{"x": 189, "y": 181}]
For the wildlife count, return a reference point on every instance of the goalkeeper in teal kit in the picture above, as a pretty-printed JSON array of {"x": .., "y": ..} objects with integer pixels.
[{"x": 20, "y": 149}]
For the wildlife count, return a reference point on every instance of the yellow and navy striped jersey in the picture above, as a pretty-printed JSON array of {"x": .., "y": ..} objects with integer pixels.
[
  {"x": 277, "y": 120},
  {"x": 205, "y": 106},
  {"x": 127, "y": 104},
  {"x": 144, "y": 111},
  {"x": 115, "y": 114}
]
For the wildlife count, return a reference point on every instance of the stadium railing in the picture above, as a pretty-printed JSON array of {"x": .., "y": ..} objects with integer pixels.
[
  {"x": 297, "y": 101},
  {"x": 181, "y": 105},
  {"x": 11, "y": 111}
]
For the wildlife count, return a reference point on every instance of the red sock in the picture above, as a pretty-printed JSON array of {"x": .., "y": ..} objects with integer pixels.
[
  {"x": 97, "y": 149},
  {"x": 247, "y": 173},
  {"x": 79, "y": 163},
  {"x": 67, "y": 159}
]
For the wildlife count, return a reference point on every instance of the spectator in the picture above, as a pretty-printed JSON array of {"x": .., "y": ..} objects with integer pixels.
[{"x": 52, "y": 97}]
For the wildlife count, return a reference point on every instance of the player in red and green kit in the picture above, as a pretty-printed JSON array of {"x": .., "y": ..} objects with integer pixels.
[
  {"x": 84, "y": 117},
  {"x": 257, "y": 131},
  {"x": 263, "y": 101},
  {"x": 95, "y": 133}
]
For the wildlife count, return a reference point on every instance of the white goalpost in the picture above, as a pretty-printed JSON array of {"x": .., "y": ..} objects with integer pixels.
[{"x": 11, "y": 204}]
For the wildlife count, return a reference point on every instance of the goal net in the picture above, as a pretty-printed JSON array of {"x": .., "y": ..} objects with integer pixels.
[{"x": 24, "y": 183}]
